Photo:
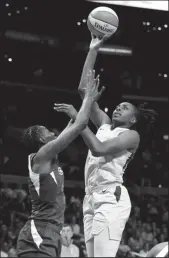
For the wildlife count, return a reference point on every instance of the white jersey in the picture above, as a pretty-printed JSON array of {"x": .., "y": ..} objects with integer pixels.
[{"x": 110, "y": 168}]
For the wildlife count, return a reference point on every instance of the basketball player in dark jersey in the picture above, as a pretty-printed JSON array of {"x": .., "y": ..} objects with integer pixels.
[
  {"x": 40, "y": 237},
  {"x": 160, "y": 250}
]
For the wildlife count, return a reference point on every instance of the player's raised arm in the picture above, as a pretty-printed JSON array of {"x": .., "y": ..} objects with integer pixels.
[
  {"x": 54, "y": 147},
  {"x": 97, "y": 116}
]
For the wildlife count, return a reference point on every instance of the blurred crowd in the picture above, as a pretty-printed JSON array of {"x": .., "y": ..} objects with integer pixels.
[{"x": 146, "y": 227}]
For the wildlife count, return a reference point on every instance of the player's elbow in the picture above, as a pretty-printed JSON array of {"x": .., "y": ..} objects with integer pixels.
[{"x": 97, "y": 152}]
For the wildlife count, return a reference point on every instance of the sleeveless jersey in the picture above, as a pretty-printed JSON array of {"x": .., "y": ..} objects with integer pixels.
[
  {"x": 47, "y": 196},
  {"x": 110, "y": 168}
]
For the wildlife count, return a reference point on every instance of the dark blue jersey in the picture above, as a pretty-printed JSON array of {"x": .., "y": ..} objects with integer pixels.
[{"x": 47, "y": 195}]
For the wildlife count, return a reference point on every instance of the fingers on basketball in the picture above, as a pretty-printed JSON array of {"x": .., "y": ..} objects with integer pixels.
[{"x": 105, "y": 38}]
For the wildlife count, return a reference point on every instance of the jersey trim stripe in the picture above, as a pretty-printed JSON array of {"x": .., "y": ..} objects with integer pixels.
[
  {"x": 127, "y": 162},
  {"x": 35, "y": 235},
  {"x": 35, "y": 178},
  {"x": 53, "y": 176}
]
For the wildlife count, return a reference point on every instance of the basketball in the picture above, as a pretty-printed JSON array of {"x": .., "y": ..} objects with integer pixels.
[{"x": 102, "y": 21}]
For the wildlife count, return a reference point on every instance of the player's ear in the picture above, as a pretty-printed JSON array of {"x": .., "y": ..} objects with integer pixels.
[
  {"x": 133, "y": 120},
  {"x": 42, "y": 140}
]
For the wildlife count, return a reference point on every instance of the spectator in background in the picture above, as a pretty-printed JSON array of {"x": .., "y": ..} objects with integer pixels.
[
  {"x": 135, "y": 242},
  {"x": 68, "y": 249},
  {"x": 154, "y": 242},
  {"x": 147, "y": 234},
  {"x": 75, "y": 226},
  {"x": 157, "y": 233},
  {"x": 165, "y": 232},
  {"x": 165, "y": 215},
  {"x": 4, "y": 249},
  {"x": 139, "y": 226},
  {"x": 162, "y": 238},
  {"x": 124, "y": 250},
  {"x": 136, "y": 212},
  {"x": 145, "y": 249},
  {"x": 12, "y": 252}
]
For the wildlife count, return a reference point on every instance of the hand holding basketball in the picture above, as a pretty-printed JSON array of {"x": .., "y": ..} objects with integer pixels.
[{"x": 96, "y": 42}]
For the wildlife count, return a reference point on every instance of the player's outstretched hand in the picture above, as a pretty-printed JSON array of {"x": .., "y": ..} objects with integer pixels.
[
  {"x": 92, "y": 87},
  {"x": 96, "y": 42},
  {"x": 67, "y": 109}
]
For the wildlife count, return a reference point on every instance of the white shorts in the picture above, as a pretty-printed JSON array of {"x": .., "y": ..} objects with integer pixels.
[{"x": 106, "y": 206}]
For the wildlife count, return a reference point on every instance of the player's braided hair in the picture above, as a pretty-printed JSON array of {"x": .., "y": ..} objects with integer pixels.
[
  {"x": 30, "y": 138},
  {"x": 146, "y": 119}
]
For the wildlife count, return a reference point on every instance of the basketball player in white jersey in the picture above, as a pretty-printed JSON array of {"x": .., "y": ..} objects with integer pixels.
[
  {"x": 160, "y": 250},
  {"x": 107, "y": 204}
]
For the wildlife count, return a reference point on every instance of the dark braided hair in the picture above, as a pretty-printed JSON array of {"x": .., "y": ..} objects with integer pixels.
[
  {"x": 30, "y": 138},
  {"x": 146, "y": 119}
]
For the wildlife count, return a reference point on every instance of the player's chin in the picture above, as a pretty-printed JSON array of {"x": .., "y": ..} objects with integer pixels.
[{"x": 116, "y": 118}]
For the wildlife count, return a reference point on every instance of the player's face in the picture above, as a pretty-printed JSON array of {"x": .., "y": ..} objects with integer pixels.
[
  {"x": 124, "y": 114},
  {"x": 45, "y": 135},
  {"x": 66, "y": 233}
]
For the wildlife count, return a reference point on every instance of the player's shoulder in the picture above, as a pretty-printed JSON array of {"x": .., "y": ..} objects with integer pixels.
[
  {"x": 104, "y": 126},
  {"x": 134, "y": 134},
  {"x": 130, "y": 133},
  {"x": 40, "y": 166}
]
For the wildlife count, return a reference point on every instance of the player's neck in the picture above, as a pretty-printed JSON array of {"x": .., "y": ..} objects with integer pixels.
[
  {"x": 54, "y": 161},
  {"x": 115, "y": 125}
]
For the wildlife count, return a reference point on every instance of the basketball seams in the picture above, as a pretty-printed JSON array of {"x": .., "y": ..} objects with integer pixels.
[
  {"x": 103, "y": 21},
  {"x": 101, "y": 12},
  {"x": 94, "y": 19},
  {"x": 104, "y": 12},
  {"x": 104, "y": 9},
  {"x": 99, "y": 30}
]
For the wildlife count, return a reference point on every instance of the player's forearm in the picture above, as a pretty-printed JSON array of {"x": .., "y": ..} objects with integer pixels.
[
  {"x": 85, "y": 110},
  {"x": 89, "y": 65}
]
